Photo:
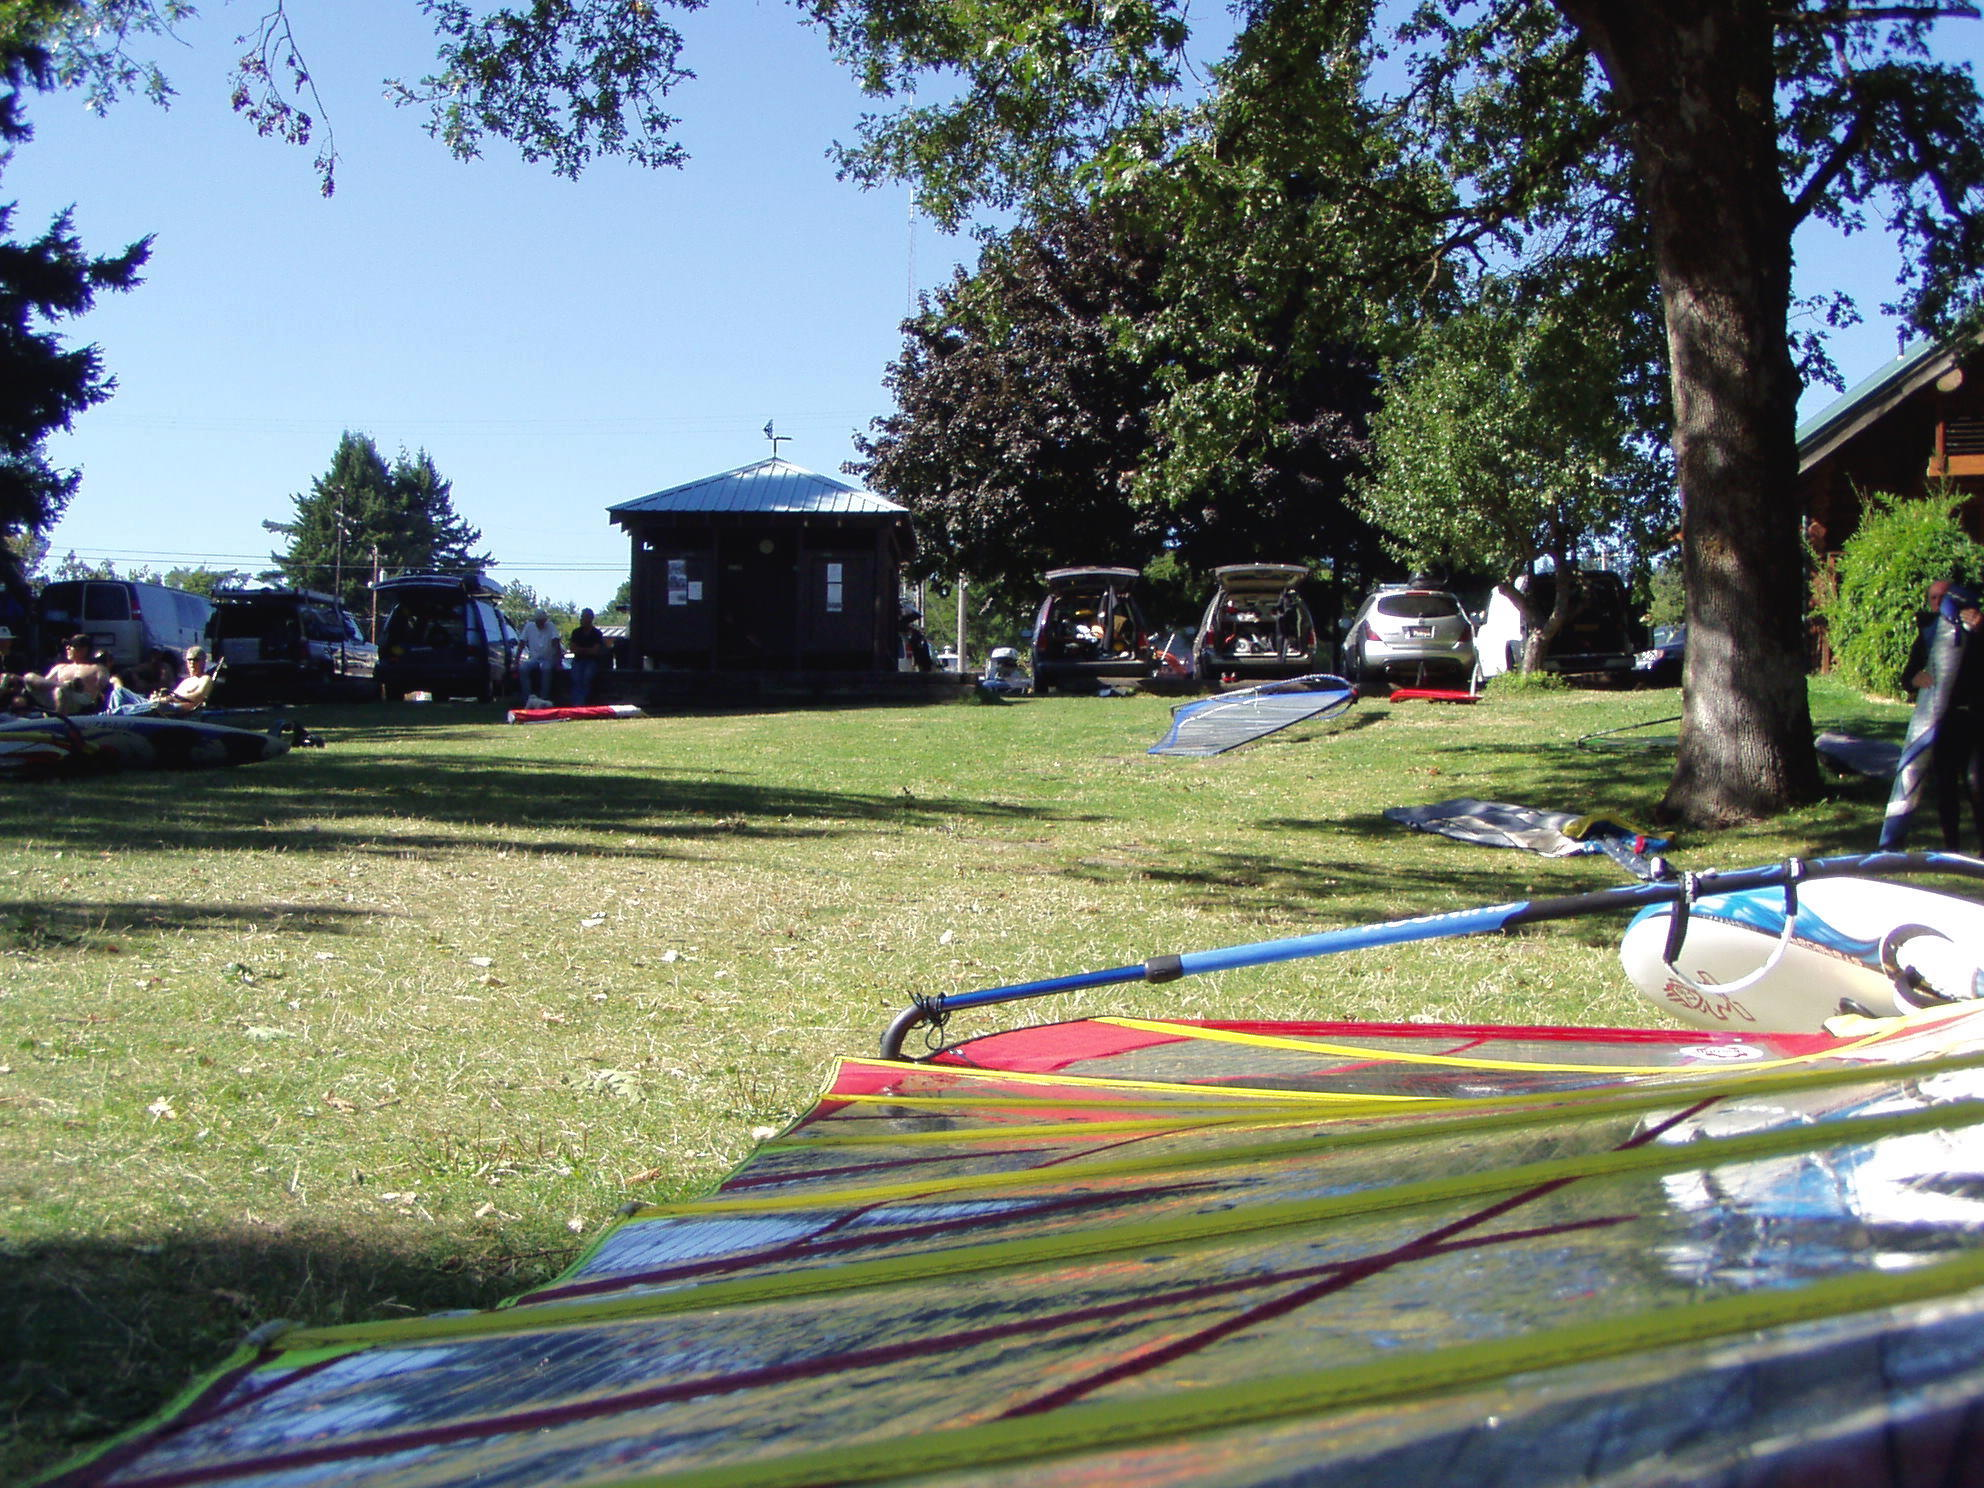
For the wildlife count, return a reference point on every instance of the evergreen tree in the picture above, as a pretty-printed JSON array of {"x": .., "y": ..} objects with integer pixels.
[
  {"x": 43, "y": 383},
  {"x": 363, "y": 512}
]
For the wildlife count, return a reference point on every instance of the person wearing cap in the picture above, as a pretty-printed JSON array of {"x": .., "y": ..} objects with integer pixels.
[
  {"x": 539, "y": 663},
  {"x": 78, "y": 683}
]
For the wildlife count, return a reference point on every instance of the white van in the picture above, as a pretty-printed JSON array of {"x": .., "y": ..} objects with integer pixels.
[
  {"x": 125, "y": 617},
  {"x": 1601, "y": 634}
]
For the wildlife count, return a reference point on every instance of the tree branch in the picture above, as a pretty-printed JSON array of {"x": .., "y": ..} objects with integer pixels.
[
  {"x": 1854, "y": 15},
  {"x": 1841, "y": 156}
]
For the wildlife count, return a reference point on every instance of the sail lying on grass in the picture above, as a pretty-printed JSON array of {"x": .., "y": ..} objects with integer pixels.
[
  {"x": 1127, "y": 1250},
  {"x": 1216, "y": 724}
]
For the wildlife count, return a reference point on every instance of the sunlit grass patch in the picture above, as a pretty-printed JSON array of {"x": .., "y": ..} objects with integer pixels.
[{"x": 397, "y": 1025}]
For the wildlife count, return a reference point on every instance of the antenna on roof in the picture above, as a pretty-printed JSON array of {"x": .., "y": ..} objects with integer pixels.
[{"x": 776, "y": 439}]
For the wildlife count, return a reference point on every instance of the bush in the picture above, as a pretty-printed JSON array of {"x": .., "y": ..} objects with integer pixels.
[
  {"x": 1513, "y": 682},
  {"x": 1884, "y": 570}
]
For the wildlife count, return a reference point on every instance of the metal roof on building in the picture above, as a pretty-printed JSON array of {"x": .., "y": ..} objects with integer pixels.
[
  {"x": 1919, "y": 364},
  {"x": 768, "y": 486}
]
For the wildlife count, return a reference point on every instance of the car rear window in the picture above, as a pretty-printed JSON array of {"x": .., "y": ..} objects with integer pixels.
[
  {"x": 1417, "y": 605},
  {"x": 106, "y": 602},
  {"x": 246, "y": 617}
]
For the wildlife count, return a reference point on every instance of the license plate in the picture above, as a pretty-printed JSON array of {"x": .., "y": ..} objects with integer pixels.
[{"x": 1419, "y": 632}]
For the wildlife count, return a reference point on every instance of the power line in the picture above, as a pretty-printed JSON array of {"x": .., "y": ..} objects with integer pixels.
[{"x": 156, "y": 558}]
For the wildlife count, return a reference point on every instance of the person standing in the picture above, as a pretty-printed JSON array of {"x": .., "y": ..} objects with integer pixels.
[
  {"x": 541, "y": 650},
  {"x": 588, "y": 647},
  {"x": 1956, "y": 762}
]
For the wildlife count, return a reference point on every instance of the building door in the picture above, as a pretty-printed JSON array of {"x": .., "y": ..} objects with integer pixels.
[{"x": 757, "y": 601}]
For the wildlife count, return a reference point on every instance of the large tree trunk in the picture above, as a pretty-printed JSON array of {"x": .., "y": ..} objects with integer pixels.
[{"x": 1696, "y": 81}]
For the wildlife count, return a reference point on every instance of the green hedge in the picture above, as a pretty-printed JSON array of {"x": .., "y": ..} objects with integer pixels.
[{"x": 1884, "y": 571}]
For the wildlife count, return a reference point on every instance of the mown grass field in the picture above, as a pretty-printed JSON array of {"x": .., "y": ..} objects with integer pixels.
[{"x": 396, "y": 1025}]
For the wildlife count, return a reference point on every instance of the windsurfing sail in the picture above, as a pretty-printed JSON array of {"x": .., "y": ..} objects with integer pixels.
[
  {"x": 1554, "y": 834},
  {"x": 1942, "y": 642},
  {"x": 573, "y": 714},
  {"x": 1161, "y": 1251},
  {"x": 1216, "y": 724},
  {"x": 1877, "y": 759}
]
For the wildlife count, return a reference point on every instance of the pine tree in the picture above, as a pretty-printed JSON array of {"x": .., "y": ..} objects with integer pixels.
[
  {"x": 43, "y": 383},
  {"x": 361, "y": 507}
]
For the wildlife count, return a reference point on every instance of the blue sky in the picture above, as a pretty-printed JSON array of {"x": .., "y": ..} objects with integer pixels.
[{"x": 556, "y": 346}]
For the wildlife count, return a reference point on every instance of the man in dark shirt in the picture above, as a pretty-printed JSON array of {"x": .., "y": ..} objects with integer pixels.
[{"x": 587, "y": 644}]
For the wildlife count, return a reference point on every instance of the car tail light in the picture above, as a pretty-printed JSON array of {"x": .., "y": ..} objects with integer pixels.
[{"x": 1371, "y": 633}]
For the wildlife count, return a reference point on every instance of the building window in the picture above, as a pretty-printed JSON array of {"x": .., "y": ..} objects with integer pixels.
[{"x": 835, "y": 588}]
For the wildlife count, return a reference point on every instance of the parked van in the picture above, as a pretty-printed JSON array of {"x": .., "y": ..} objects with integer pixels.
[
  {"x": 1256, "y": 626},
  {"x": 1601, "y": 634},
  {"x": 1090, "y": 631},
  {"x": 443, "y": 635},
  {"x": 128, "y": 619},
  {"x": 290, "y": 643}
]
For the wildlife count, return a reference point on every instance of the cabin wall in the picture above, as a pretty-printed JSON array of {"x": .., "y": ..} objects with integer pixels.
[{"x": 764, "y": 594}]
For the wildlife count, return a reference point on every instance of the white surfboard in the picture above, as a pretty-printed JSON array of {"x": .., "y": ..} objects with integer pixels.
[{"x": 1856, "y": 945}]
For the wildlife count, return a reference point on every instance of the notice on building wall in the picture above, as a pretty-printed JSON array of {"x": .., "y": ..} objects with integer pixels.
[{"x": 678, "y": 581}]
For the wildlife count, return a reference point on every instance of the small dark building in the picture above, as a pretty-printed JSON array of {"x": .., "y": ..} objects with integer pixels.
[
  {"x": 1914, "y": 427},
  {"x": 770, "y": 568}
]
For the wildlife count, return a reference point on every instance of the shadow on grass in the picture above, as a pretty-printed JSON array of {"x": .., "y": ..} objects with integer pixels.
[
  {"x": 101, "y": 1333},
  {"x": 1365, "y": 858},
  {"x": 28, "y": 923},
  {"x": 333, "y": 803}
]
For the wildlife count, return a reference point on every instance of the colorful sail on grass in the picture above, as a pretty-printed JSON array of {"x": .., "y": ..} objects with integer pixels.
[{"x": 1128, "y": 1250}]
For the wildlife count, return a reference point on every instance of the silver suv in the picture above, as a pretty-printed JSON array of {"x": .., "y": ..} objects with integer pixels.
[{"x": 1413, "y": 635}]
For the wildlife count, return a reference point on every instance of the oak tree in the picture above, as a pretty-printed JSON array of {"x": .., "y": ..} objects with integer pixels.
[{"x": 1734, "y": 124}]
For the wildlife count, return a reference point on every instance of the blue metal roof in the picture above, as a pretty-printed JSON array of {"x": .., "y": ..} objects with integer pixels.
[{"x": 768, "y": 486}]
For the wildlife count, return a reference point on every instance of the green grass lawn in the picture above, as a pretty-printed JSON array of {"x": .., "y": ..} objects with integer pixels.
[{"x": 398, "y": 1024}]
